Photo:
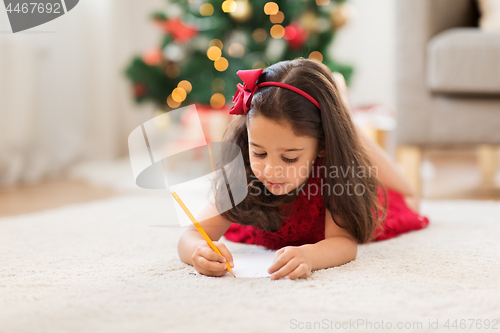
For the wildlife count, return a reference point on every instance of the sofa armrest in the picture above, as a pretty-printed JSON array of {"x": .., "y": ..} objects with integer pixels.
[
  {"x": 417, "y": 22},
  {"x": 446, "y": 14},
  {"x": 434, "y": 16}
]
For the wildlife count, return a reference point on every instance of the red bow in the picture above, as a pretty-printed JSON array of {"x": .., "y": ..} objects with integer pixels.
[{"x": 243, "y": 97}]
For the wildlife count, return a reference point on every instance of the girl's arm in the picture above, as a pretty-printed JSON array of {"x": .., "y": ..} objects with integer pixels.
[
  {"x": 387, "y": 171},
  {"x": 338, "y": 247}
]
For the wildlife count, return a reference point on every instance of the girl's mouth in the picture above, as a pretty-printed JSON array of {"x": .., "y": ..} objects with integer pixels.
[{"x": 275, "y": 184}]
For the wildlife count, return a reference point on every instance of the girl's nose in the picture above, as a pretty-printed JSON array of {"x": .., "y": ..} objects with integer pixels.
[
  {"x": 268, "y": 170},
  {"x": 273, "y": 171}
]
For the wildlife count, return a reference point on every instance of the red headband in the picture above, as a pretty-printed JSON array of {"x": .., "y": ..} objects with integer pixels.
[{"x": 243, "y": 97}]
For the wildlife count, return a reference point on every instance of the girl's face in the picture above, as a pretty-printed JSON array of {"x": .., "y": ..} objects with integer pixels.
[{"x": 279, "y": 159}]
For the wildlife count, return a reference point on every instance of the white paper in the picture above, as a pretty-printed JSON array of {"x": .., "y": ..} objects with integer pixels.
[{"x": 251, "y": 265}]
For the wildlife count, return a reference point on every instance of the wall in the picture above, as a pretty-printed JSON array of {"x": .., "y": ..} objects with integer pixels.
[{"x": 368, "y": 42}]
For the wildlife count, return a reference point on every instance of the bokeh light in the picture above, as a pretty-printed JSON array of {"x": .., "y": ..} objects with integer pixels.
[
  {"x": 216, "y": 42},
  {"x": 152, "y": 57},
  {"x": 186, "y": 85},
  {"x": 214, "y": 53},
  {"x": 217, "y": 101},
  {"x": 173, "y": 104},
  {"x": 290, "y": 32},
  {"x": 221, "y": 64},
  {"x": 173, "y": 71},
  {"x": 243, "y": 11},
  {"x": 236, "y": 50},
  {"x": 206, "y": 9},
  {"x": 322, "y": 2},
  {"x": 277, "y": 31},
  {"x": 277, "y": 18},
  {"x": 259, "y": 35},
  {"x": 229, "y": 6},
  {"x": 179, "y": 95},
  {"x": 315, "y": 55},
  {"x": 271, "y": 8}
]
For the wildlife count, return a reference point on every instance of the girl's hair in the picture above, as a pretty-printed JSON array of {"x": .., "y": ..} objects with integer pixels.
[{"x": 331, "y": 126}]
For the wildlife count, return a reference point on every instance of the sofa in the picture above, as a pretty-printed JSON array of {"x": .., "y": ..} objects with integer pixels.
[{"x": 448, "y": 82}]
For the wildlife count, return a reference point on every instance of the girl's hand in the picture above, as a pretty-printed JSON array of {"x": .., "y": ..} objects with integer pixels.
[
  {"x": 208, "y": 262},
  {"x": 291, "y": 263}
]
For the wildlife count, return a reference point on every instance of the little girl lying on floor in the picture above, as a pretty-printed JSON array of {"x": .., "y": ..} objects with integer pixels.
[{"x": 318, "y": 187}]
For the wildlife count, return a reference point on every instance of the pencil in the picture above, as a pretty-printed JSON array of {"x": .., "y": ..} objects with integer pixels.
[{"x": 200, "y": 229}]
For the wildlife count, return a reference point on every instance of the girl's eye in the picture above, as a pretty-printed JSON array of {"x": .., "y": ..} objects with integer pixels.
[
  {"x": 258, "y": 155},
  {"x": 290, "y": 160}
]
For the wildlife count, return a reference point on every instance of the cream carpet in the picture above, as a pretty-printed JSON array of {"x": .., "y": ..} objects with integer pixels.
[{"x": 101, "y": 267}]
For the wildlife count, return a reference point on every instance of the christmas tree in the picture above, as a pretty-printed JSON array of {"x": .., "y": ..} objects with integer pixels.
[{"x": 205, "y": 43}]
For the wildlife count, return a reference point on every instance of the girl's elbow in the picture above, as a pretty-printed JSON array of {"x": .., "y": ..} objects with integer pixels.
[
  {"x": 353, "y": 246},
  {"x": 352, "y": 249},
  {"x": 354, "y": 252}
]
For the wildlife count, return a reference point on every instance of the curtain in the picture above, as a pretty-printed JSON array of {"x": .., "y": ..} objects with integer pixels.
[{"x": 63, "y": 94}]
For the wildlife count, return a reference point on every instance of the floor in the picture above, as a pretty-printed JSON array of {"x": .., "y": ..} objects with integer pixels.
[
  {"x": 102, "y": 267},
  {"x": 447, "y": 174},
  {"x": 50, "y": 194},
  {"x": 454, "y": 175}
]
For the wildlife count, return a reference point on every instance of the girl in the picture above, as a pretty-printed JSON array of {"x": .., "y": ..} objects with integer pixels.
[{"x": 317, "y": 186}]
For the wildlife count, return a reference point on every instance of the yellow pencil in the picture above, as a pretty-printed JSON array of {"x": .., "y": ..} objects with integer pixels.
[{"x": 200, "y": 229}]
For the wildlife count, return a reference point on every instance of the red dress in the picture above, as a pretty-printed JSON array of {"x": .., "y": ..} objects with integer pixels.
[{"x": 306, "y": 223}]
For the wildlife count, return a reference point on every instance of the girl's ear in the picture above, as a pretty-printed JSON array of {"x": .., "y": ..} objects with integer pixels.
[{"x": 321, "y": 153}]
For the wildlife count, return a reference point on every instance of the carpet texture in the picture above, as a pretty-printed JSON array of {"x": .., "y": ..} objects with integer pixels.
[{"x": 101, "y": 267}]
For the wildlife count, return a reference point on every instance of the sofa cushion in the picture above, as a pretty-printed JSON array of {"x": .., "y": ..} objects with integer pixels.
[{"x": 464, "y": 60}]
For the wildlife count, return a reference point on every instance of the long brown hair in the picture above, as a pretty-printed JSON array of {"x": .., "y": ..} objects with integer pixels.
[{"x": 331, "y": 126}]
